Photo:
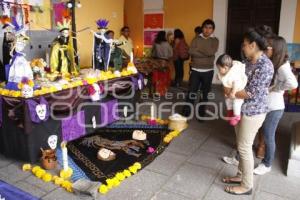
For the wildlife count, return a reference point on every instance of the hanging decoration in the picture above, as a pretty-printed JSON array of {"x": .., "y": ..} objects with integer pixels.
[{"x": 14, "y": 9}]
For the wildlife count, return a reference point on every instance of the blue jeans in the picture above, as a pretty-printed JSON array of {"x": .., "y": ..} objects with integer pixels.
[{"x": 269, "y": 129}]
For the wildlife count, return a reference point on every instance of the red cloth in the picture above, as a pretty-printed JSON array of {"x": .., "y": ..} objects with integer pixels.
[{"x": 161, "y": 80}]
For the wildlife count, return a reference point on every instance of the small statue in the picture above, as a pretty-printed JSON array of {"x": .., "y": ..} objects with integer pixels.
[
  {"x": 102, "y": 50},
  {"x": 19, "y": 67},
  {"x": 7, "y": 44},
  {"x": 62, "y": 57}
]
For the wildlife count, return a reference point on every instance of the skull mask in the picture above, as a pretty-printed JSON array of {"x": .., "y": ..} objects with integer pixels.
[
  {"x": 27, "y": 91},
  {"x": 52, "y": 141},
  {"x": 41, "y": 111}
]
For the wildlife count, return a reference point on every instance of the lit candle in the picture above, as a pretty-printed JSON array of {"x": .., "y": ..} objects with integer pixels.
[
  {"x": 131, "y": 57},
  {"x": 152, "y": 112},
  {"x": 125, "y": 111},
  {"x": 65, "y": 155},
  {"x": 47, "y": 59}
]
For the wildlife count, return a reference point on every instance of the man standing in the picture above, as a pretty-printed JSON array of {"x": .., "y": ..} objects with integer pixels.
[
  {"x": 127, "y": 46},
  {"x": 202, "y": 51}
]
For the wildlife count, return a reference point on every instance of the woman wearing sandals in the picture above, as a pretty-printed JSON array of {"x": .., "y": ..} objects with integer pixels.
[{"x": 259, "y": 70}]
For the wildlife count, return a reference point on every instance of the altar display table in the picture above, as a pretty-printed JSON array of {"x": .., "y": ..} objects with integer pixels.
[{"x": 22, "y": 135}]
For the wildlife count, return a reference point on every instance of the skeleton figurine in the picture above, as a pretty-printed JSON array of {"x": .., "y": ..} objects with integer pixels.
[
  {"x": 101, "y": 53},
  {"x": 131, "y": 147},
  {"x": 62, "y": 58},
  {"x": 19, "y": 67}
]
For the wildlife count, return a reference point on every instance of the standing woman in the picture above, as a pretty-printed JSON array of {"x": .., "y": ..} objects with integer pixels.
[
  {"x": 259, "y": 70},
  {"x": 284, "y": 79},
  {"x": 162, "y": 54},
  {"x": 180, "y": 54}
]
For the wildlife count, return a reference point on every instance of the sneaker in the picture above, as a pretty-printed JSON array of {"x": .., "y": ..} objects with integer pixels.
[
  {"x": 230, "y": 160},
  {"x": 261, "y": 169}
]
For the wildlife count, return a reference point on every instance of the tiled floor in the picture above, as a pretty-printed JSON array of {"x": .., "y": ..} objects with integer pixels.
[{"x": 190, "y": 168}]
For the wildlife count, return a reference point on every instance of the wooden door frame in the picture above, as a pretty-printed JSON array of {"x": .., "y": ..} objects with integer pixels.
[{"x": 286, "y": 23}]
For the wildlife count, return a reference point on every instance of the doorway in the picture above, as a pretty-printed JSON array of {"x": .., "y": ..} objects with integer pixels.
[{"x": 249, "y": 13}]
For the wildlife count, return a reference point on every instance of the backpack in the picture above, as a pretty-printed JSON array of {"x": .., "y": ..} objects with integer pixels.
[{"x": 183, "y": 50}]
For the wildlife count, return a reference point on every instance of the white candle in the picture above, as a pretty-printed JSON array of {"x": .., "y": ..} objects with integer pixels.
[
  {"x": 47, "y": 60},
  {"x": 65, "y": 155},
  {"x": 131, "y": 57},
  {"x": 125, "y": 111},
  {"x": 152, "y": 112}
]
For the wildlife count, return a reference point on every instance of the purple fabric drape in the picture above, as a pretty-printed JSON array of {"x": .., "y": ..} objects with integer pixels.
[
  {"x": 73, "y": 127},
  {"x": 109, "y": 112}
]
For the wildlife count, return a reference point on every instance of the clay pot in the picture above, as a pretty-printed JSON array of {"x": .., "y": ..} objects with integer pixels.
[{"x": 48, "y": 159}]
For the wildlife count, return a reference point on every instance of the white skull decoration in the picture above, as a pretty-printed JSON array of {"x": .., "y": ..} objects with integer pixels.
[
  {"x": 52, "y": 141},
  {"x": 139, "y": 135},
  {"x": 105, "y": 153},
  {"x": 27, "y": 91},
  {"x": 65, "y": 33},
  {"x": 20, "y": 46},
  {"x": 96, "y": 95},
  {"x": 41, "y": 110}
]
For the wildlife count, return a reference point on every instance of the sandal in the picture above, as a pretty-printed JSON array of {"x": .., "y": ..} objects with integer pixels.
[
  {"x": 234, "y": 179},
  {"x": 232, "y": 190}
]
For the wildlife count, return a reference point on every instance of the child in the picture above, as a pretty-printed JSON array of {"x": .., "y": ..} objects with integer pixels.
[{"x": 232, "y": 75}]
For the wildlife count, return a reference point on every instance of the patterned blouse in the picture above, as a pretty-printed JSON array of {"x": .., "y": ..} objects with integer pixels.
[{"x": 259, "y": 76}]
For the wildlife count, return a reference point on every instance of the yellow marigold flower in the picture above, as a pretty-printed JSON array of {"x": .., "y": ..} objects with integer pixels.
[
  {"x": 120, "y": 176},
  {"x": 39, "y": 173},
  {"x": 35, "y": 168},
  {"x": 174, "y": 133},
  {"x": 168, "y": 138},
  {"x": 67, "y": 185},
  {"x": 126, "y": 173},
  {"x": 30, "y": 83},
  {"x": 110, "y": 183},
  {"x": 26, "y": 167},
  {"x": 5, "y": 92},
  {"x": 36, "y": 93},
  {"x": 47, "y": 177},
  {"x": 103, "y": 189},
  {"x": 116, "y": 182},
  {"x": 17, "y": 93},
  {"x": 58, "y": 181},
  {"x": 66, "y": 174},
  {"x": 138, "y": 165},
  {"x": 132, "y": 169}
]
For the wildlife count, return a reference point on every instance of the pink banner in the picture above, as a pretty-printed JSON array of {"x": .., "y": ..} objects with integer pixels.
[
  {"x": 149, "y": 37},
  {"x": 59, "y": 12}
]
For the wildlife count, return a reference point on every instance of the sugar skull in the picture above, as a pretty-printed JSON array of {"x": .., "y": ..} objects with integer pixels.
[
  {"x": 52, "y": 141},
  {"x": 27, "y": 91},
  {"x": 105, "y": 154},
  {"x": 41, "y": 111},
  {"x": 65, "y": 33},
  {"x": 139, "y": 135}
]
